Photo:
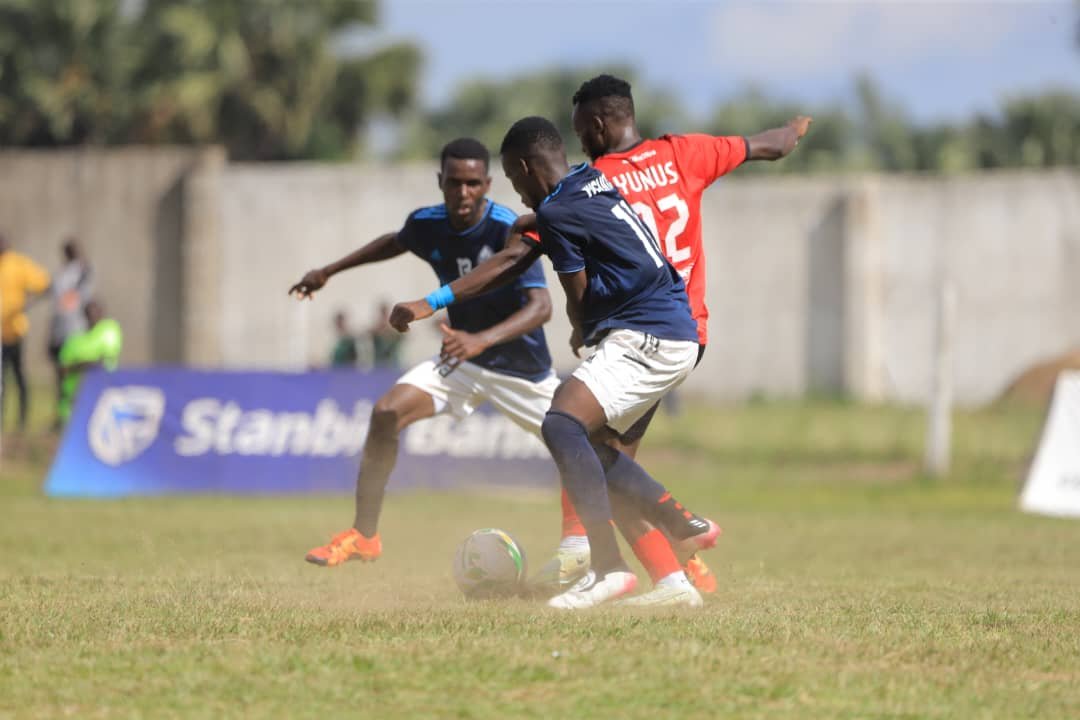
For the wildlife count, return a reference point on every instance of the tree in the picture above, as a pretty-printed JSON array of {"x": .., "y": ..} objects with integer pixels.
[
  {"x": 885, "y": 129},
  {"x": 1044, "y": 130},
  {"x": 827, "y": 148},
  {"x": 260, "y": 76},
  {"x": 63, "y": 68}
]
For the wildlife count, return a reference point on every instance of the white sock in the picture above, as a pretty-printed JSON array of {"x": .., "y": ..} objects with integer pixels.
[
  {"x": 574, "y": 542},
  {"x": 675, "y": 579}
]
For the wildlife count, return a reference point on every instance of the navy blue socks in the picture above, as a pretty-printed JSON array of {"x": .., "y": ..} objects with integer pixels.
[{"x": 583, "y": 477}]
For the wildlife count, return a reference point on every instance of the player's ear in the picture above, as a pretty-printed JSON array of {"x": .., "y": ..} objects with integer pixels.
[
  {"x": 438, "y": 177},
  {"x": 598, "y": 124}
]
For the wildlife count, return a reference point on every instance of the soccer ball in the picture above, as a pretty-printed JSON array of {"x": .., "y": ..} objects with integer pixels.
[{"x": 489, "y": 564}]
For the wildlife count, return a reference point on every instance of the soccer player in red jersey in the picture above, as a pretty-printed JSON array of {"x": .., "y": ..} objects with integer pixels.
[{"x": 663, "y": 180}]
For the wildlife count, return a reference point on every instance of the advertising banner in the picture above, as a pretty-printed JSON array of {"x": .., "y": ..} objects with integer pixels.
[{"x": 161, "y": 431}]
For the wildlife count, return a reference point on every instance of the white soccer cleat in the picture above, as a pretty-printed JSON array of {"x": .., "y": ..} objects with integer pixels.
[
  {"x": 666, "y": 596},
  {"x": 590, "y": 592},
  {"x": 561, "y": 572}
]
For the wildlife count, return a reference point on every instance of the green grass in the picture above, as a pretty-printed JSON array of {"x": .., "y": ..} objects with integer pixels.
[{"x": 850, "y": 587}]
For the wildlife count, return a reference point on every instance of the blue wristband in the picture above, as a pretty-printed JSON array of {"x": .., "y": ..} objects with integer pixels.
[{"x": 440, "y": 298}]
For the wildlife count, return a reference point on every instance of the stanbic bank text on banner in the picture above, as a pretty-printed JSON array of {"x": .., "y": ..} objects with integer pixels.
[{"x": 158, "y": 431}]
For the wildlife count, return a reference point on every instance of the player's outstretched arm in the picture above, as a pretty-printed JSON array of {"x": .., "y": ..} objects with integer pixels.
[
  {"x": 778, "y": 142},
  {"x": 383, "y": 247},
  {"x": 459, "y": 346},
  {"x": 500, "y": 269}
]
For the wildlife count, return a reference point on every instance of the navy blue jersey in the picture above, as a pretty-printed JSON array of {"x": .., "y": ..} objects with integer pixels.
[
  {"x": 428, "y": 235},
  {"x": 585, "y": 224}
]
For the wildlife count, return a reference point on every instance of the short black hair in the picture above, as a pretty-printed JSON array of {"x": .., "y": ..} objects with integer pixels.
[
  {"x": 612, "y": 95},
  {"x": 530, "y": 134},
  {"x": 465, "y": 148}
]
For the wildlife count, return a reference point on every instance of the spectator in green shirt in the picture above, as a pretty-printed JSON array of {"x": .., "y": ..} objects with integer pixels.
[
  {"x": 98, "y": 347},
  {"x": 344, "y": 354}
]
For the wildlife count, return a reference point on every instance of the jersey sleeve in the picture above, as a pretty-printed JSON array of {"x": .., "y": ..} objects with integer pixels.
[
  {"x": 408, "y": 236},
  {"x": 709, "y": 157},
  {"x": 533, "y": 277},
  {"x": 557, "y": 235}
]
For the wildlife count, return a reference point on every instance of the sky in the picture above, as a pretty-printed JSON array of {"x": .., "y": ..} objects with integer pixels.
[{"x": 942, "y": 61}]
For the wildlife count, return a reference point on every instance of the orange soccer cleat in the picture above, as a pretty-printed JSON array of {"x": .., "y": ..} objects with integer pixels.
[
  {"x": 700, "y": 574},
  {"x": 347, "y": 545}
]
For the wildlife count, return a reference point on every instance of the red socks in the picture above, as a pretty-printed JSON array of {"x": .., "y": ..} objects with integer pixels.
[
  {"x": 652, "y": 549},
  {"x": 654, "y": 552},
  {"x": 571, "y": 523}
]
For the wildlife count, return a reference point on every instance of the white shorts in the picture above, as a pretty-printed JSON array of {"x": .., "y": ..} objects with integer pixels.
[
  {"x": 464, "y": 389},
  {"x": 631, "y": 370}
]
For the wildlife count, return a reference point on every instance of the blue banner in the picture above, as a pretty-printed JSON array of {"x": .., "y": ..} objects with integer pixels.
[{"x": 160, "y": 431}]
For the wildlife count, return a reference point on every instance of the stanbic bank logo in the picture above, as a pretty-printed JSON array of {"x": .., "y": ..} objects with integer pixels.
[{"x": 125, "y": 422}]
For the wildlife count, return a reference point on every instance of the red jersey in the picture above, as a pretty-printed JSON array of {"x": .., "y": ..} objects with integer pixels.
[{"x": 663, "y": 180}]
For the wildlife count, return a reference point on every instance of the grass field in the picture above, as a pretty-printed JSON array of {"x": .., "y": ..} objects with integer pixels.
[{"x": 850, "y": 587}]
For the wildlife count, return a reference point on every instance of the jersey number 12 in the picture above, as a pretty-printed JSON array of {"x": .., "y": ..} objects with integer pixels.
[{"x": 675, "y": 253}]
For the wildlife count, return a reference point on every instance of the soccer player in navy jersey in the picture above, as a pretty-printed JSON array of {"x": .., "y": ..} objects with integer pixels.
[
  {"x": 625, "y": 300},
  {"x": 494, "y": 348}
]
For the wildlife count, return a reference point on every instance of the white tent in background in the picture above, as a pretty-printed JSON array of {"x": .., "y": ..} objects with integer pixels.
[{"x": 1053, "y": 483}]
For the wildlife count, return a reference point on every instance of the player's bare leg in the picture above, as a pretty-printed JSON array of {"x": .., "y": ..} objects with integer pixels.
[{"x": 400, "y": 407}]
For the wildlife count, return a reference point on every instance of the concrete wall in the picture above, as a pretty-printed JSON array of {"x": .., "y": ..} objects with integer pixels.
[
  {"x": 823, "y": 283},
  {"x": 126, "y": 208},
  {"x": 1011, "y": 245},
  {"x": 814, "y": 283},
  {"x": 276, "y": 223}
]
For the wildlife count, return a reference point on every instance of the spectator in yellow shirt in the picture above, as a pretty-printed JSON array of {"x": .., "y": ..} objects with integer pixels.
[{"x": 20, "y": 278}]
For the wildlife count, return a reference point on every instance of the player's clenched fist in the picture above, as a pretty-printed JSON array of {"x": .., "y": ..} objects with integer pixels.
[{"x": 408, "y": 312}]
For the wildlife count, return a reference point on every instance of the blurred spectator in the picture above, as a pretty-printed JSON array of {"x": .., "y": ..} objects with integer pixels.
[
  {"x": 20, "y": 278},
  {"x": 97, "y": 347},
  {"x": 344, "y": 353},
  {"x": 72, "y": 288},
  {"x": 385, "y": 340}
]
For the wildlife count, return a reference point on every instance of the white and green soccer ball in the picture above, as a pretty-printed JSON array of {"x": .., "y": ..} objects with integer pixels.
[{"x": 490, "y": 564}]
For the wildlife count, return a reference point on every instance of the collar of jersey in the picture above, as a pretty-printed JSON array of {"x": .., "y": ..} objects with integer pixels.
[
  {"x": 627, "y": 151},
  {"x": 574, "y": 170},
  {"x": 479, "y": 222}
]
